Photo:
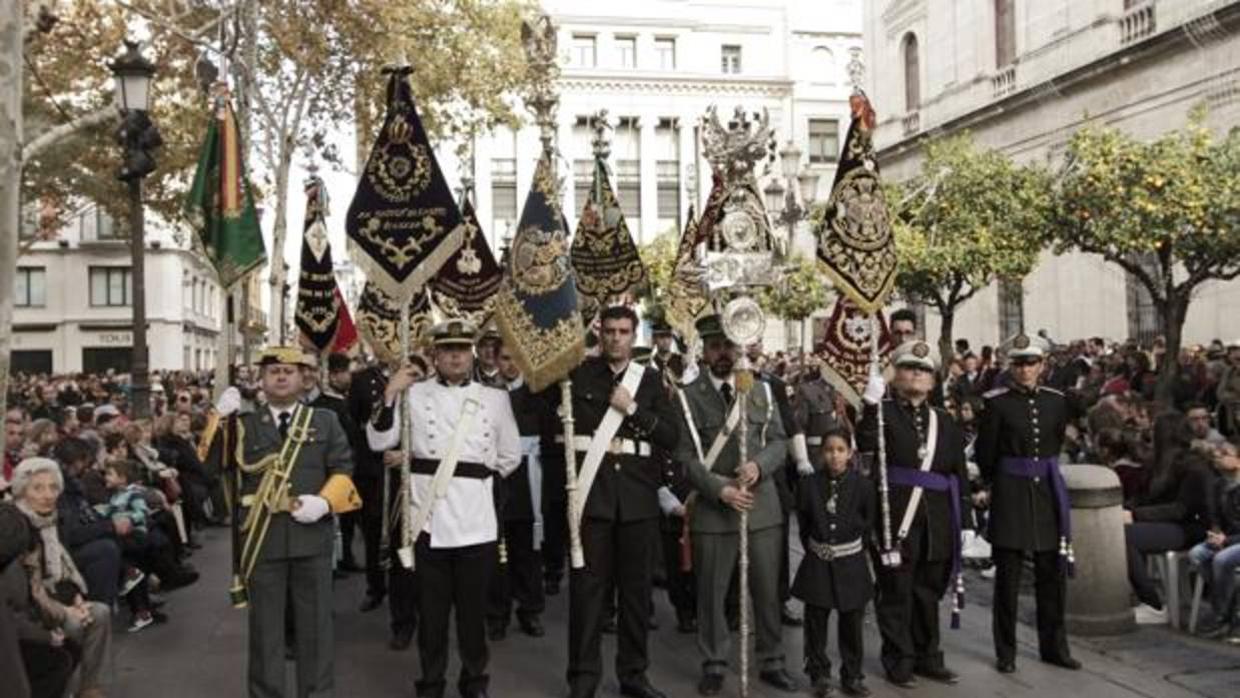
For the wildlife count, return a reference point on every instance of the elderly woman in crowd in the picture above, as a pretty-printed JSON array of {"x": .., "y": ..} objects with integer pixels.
[{"x": 56, "y": 585}]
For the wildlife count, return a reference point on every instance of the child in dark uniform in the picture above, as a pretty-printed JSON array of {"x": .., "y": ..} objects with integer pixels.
[{"x": 835, "y": 510}]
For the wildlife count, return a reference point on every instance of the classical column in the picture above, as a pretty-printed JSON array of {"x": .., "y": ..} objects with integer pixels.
[{"x": 648, "y": 179}]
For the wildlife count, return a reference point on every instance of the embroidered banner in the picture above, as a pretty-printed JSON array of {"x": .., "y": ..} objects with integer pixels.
[
  {"x": 466, "y": 285},
  {"x": 605, "y": 259},
  {"x": 845, "y": 349},
  {"x": 318, "y": 302}
]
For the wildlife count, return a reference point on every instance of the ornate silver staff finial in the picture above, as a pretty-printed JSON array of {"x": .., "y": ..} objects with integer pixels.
[
  {"x": 538, "y": 37},
  {"x": 465, "y": 157},
  {"x": 600, "y": 143},
  {"x": 856, "y": 68}
]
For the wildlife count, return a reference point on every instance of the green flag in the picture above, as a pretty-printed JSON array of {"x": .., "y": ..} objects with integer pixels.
[{"x": 220, "y": 206}]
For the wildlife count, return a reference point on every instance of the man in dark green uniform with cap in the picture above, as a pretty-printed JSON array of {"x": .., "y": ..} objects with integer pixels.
[{"x": 287, "y": 453}]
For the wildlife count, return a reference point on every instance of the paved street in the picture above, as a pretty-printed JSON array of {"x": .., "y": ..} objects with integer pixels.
[{"x": 201, "y": 653}]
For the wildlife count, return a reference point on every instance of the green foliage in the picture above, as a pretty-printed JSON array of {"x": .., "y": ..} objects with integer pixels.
[
  {"x": 1177, "y": 198},
  {"x": 971, "y": 217},
  {"x": 802, "y": 290},
  {"x": 659, "y": 258}
]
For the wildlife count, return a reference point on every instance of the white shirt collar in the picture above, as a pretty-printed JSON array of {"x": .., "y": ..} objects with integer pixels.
[
  {"x": 718, "y": 382},
  {"x": 276, "y": 411},
  {"x": 516, "y": 384}
]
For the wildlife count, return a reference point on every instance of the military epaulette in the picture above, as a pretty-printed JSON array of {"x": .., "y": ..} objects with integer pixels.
[
  {"x": 1051, "y": 390},
  {"x": 994, "y": 393}
]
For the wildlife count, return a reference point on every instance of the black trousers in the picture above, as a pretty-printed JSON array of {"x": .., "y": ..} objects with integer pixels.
[
  {"x": 681, "y": 586},
  {"x": 1150, "y": 537},
  {"x": 848, "y": 625},
  {"x": 555, "y": 539},
  {"x": 1050, "y": 588},
  {"x": 370, "y": 520},
  {"x": 48, "y": 669},
  {"x": 616, "y": 552},
  {"x": 452, "y": 579},
  {"x": 785, "y": 574},
  {"x": 402, "y": 584},
  {"x": 519, "y": 580},
  {"x": 907, "y": 608}
]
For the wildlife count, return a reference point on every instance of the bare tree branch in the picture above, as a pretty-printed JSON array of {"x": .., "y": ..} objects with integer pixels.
[
  {"x": 194, "y": 36},
  {"x": 56, "y": 133}
]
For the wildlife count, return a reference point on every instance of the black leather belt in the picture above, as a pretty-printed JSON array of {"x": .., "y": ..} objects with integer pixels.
[{"x": 427, "y": 466}]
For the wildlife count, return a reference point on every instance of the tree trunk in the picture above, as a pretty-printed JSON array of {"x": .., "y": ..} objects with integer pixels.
[
  {"x": 279, "y": 231},
  {"x": 10, "y": 178},
  {"x": 946, "y": 350},
  {"x": 1174, "y": 311}
]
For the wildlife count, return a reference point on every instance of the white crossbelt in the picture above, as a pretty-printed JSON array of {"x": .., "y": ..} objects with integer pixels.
[
  {"x": 446, "y": 469},
  {"x": 721, "y": 439},
  {"x": 617, "y": 446},
  {"x": 914, "y": 500},
  {"x": 603, "y": 440}
]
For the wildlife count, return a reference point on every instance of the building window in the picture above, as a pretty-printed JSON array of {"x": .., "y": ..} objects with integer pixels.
[
  {"x": 1011, "y": 308},
  {"x": 667, "y": 175},
  {"x": 824, "y": 140},
  {"x": 584, "y": 50},
  {"x": 912, "y": 73},
  {"x": 1005, "y": 32},
  {"x": 731, "y": 59},
  {"x": 627, "y": 153},
  {"x": 31, "y": 291},
  {"x": 1143, "y": 319},
  {"x": 504, "y": 189},
  {"x": 110, "y": 286},
  {"x": 665, "y": 49},
  {"x": 626, "y": 51}
]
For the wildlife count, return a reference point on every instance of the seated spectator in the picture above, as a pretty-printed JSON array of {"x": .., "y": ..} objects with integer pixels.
[
  {"x": 1200, "y": 423},
  {"x": 92, "y": 540},
  {"x": 1218, "y": 556},
  {"x": 128, "y": 500},
  {"x": 1171, "y": 515},
  {"x": 1112, "y": 450},
  {"x": 42, "y": 665},
  {"x": 58, "y": 588}
]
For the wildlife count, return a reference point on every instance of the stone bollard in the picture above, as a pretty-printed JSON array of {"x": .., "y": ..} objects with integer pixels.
[{"x": 1098, "y": 594}]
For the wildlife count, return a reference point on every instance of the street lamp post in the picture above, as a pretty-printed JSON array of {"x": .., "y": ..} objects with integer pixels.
[
  {"x": 782, "y": 201},
  {"x": 139, "y": 138}
]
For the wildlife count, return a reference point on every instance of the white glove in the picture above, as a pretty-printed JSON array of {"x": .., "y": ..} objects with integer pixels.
[
  {"x": 805, "y": 468},
  {"x": 668, "y": 501},
  {"x": 875, "y": 389},
  {"x": 311, "y": 508},
  {"x": 229, "y": 402}
]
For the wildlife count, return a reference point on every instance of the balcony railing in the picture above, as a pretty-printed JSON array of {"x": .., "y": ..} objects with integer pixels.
[
  {"x": 1003, "y": 83},
  {"x": 912, "y": 123},
  {"x": 1136, "y": 23}
]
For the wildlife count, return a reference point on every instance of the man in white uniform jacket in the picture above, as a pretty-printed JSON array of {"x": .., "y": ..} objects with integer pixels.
[{"x": 463, "y": 434}]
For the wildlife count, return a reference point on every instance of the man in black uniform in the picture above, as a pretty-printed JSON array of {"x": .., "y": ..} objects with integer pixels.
[
  {"x": 928, "y": 485},
  {"x": 1017, "y": 449},
  {"x": 324, "y": 397},
  {"x": 519, "y": 576},
  {"x": 814, "y": 408},
  {"x": 339, "y": 380},
  {"x": 620, "y": 512}
]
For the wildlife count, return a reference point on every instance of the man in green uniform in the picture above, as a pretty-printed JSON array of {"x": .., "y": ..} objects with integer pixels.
[{"x": 291, "y": 552}]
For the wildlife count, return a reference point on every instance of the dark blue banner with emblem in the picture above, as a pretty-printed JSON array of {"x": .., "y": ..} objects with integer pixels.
[
  {"x": 318, "y": 302},
  {"x": 466, "y": 285},
  {"x": 605, "y": 259},
  {"x": 536, "y": 308},
  {"x": 403, "y": 224},
  {"x": 378, "y": 322},
  {"x": 855, "y": 239}
]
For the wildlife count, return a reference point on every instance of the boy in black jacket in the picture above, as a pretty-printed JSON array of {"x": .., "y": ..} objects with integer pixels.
[{"x": 836, "y": 513}]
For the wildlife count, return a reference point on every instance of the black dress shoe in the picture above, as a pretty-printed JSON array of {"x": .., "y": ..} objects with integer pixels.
[
  {"x": 687, "y": 626},
  {"x": 789, "y": 618},
  {"x": 401, "y": 639},
  {"x": 639, "y": 687},
  {"x": 531, "y": 625},
  {"x": 711, "y": 684},
  {"x": 779, "y": 678},
  {"x": 1006, "y": 666},
  {"x": 371, "y": 602},
  {"x": 854, "y": 687},
  {"x": 941, "y": 674},
  {"x": 609, "y": 626},
  {"x": 496, "y": 632},
  {"x": 1064, "y": 662},
  {"x": 902, "y": 681}
]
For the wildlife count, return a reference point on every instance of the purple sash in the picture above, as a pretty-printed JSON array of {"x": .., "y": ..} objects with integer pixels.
[
  {"x": 1048, "y": 468},
  {"x": 938, "y": 482}
]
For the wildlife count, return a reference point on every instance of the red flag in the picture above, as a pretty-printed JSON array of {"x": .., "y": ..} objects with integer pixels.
[{"x": 345, "y": 340}]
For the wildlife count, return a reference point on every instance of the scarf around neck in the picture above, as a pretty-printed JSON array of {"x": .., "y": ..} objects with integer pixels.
[{"x": 56, "y": 559}]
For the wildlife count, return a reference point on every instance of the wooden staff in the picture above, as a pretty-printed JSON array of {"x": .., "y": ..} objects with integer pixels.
[
  {"x": 405, "y": 551},
  {"x": 744, "y": 383},
  {"x": 890, "y": 556},
  {"x": 577, "y": 556}
]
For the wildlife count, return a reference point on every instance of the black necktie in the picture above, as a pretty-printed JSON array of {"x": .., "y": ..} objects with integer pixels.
[
  {"x": 725, "y": 389},
  {"x": 285, "y": 418}
]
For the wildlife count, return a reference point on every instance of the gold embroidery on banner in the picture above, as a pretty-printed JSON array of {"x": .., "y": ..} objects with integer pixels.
[
  {"x": 399, "y": 170},
  {"x": 539, "y": 264}
]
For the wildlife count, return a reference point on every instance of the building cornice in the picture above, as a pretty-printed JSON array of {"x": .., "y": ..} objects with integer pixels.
[
  {"x": 655, "y": 84},
  {"x": 1074, "y": 79},
  {"x": 900, "y": 14}
]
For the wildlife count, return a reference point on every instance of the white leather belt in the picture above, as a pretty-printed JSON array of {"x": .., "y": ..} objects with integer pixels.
[
  {"x": 829, "y": 552},
  {"x": 618, "y": 446},
  {"x": 813, "y": 441}
]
